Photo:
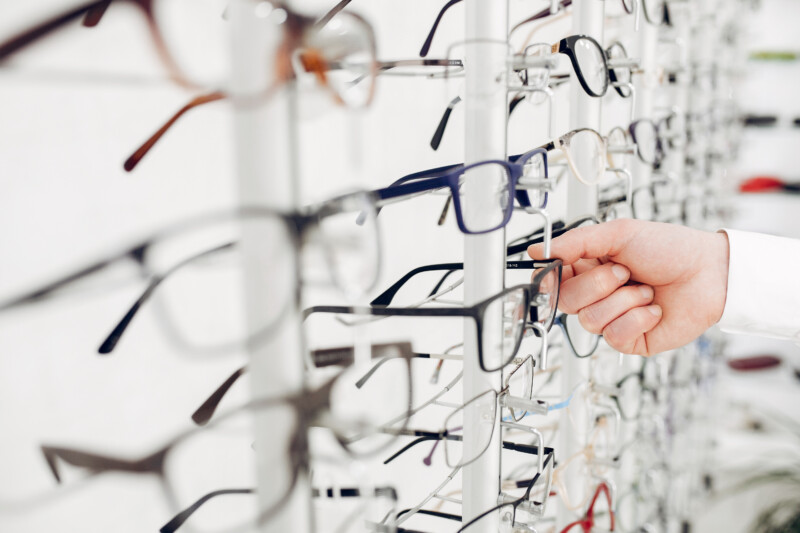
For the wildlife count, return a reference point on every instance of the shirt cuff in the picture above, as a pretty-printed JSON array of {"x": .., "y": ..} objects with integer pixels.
[{"x": 763, "y": 296}]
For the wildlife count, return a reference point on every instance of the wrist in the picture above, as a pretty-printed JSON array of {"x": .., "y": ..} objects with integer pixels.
[{"x": 720, "y": 262}]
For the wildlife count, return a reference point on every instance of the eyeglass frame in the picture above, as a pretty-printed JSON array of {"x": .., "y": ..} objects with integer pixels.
[
  {"x": 475, "y": 312},
  {"x": 296, "y": 224},
  {"x": 308, "y": 406}
]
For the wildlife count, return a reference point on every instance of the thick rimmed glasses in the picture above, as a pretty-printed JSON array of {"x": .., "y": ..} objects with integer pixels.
[
  {"x": 501, "y": 180},
  {"x": 200, "y": 261},
  {"x": 500, "y": 320},
  {"x": 588, "y": 61},
  {"x": 189, "y": 467}
]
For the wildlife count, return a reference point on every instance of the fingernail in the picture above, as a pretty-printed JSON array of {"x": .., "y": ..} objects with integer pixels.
[
  {"x": 655, "y": 309},
  {"x": 620, "y": 272},
  {"x": 646, "y": 291}
]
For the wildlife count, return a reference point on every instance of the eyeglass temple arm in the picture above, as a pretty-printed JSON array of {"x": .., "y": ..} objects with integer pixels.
[
  {"x": 426, "y": 46},
  {"x": 339, "y": 492},
  {"x": 436, "y": 140},
  {"x": 113, "y": 338},
  {"x": 540, "y": 15},
  {"x": 321, "y": 358},
  {"x": 136, "y": 253},
  {"x": 388, "y": 311},
  {"x": 92, "y": 10},
  {"x": 523, "y": 448},
  {"x": 386, "y": 297},
  {"x": 95, "y": 13},
  {"x": 416, "y": 176},
  {"x": 324, "y": 19},
  {"x": 99, "y": 463},
  {"x": 178, "y": 520},
  {"x": 203, "y": 414},
  {"x": 140, "y": 152},
  {"x": 522, "y": 247}
]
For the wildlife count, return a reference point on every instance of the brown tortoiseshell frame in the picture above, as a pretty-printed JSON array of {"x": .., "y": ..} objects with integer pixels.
[
  {"x": 92, "y": 13},
  {"x": 296, "y": 29}
]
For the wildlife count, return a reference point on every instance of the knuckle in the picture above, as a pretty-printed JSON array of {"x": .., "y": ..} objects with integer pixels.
[{"x": 604, "y": 280}]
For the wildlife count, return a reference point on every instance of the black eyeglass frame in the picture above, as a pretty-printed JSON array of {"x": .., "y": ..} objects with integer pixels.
[{"x": 475, "y": 312}]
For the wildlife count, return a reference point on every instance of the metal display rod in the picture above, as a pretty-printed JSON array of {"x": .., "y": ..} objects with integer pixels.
[
  {"x": 484, "y": 255},
  {"x": 265, "y": 175}
]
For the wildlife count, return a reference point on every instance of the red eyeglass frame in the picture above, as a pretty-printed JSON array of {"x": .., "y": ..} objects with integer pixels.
[{"x": 587, "y": 522}]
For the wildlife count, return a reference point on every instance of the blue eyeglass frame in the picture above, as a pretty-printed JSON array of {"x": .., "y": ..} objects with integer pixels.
[{"x": 448, "y": 176}]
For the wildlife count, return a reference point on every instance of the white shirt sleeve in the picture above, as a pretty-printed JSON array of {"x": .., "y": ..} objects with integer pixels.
[{"x": 763, "y": 295}]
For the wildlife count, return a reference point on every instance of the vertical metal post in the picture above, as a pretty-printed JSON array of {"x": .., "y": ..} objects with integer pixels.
[
  {"x": 588, "y": 19},
  {"x": 265, "y": 174},
  {"x": 484, "y": 255}
]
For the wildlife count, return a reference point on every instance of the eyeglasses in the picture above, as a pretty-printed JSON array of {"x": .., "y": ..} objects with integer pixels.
[
  {"x": 501, "y": 182},
  {"x": 369, "y": 502},
  {"x": 586, "y": 153},
  {"x": 197, "y": 58},
  {"x": 588, "y": 61},
  {"x": 366, "y": 499},
  {"x": 562, "y": 5},
  {"x": 540, "y": 482},
  {"x": 523, "y": 498},
  {"x": 500, "y": 320},
  {"x": 648, "y": 202},
  {"x": 516, "y": 396},
  {"x": 583, "y": 350},
  {"x": 599, "y": 515},
  {"x": 200, "y": 261},
  {"x": 628, "y": 394},
  {"x": 184, "y": 463},
  {"x": 385, "y": 298},
  {"x": 529, "y": 73},
  {"x": 320, "y": 358}
]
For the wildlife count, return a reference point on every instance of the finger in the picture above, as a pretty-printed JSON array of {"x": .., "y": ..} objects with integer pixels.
[
  {"x": 591, "y": 286},
  {"x": 587, "y": 242},
  {"x": 595, "y": 317},
  {"x": 628, "y": 332},
  {"x": 585, "y": 265},
  {"x": 578, "y": 267}
]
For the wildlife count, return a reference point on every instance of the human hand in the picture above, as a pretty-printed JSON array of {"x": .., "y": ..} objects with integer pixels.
[{"x": 679, "y": 275}]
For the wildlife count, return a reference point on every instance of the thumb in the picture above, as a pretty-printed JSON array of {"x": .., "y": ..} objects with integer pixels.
[{"x": 587, "y": 242}]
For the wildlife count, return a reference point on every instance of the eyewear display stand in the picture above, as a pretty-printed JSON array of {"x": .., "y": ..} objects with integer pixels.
[
  {"x": 484, "y": 255},
  {"x": 581, "y": 199},
  {"x": 267, "y": 175}
]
